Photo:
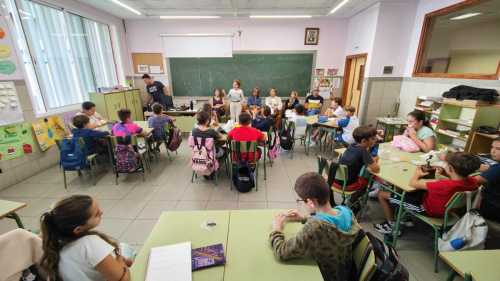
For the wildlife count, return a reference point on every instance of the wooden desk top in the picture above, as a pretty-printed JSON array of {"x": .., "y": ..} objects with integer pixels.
[
  {"x": 8, "y": 207},
  {"x": 482, "y": 264}
]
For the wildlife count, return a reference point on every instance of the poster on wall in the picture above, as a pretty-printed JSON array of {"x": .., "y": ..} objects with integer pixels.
[
  {"x": 48, "y": 131},
  {"x": 9, "y": 65},
  {"x": 15, "y": 141},
  {"x": 10, "y": 108}
]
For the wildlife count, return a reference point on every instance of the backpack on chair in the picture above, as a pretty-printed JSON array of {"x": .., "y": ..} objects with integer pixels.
[
  {"x": 203, "y": 160},
  {"x": 126, "y": 158},
  {"x": 175, "y": 139},
  {"x": 72, "y": 156},
  {"x": 286, "y": 139},
  {"x": 274, "y": 147}
]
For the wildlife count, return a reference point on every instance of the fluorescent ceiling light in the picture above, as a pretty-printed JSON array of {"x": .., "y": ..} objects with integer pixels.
[
  {"x": 188, "y": 17},
  {"x": 117, "y": 2},
  {"x": 336, "y": 8},
  {"x": 466, "y": 16},
  {"x": 280, "y": 16}
]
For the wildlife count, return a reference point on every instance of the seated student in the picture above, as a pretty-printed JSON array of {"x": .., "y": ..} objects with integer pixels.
[
  {"x": 335, "y": 109},
  {"x": 217, "y": 102},
  {"x": 203, "y": 130},
  {"x": 96, "y": 120},
  {"x": 358, "y": 155},
  {"x": 158, "y": 122},
  {"x": 431, "y": 196},
  {"x": 420, "y": 132},
  {"x": 245, "y": 132},
  {"x": 273, "y": 101},
  {"x": 214, "y": 120},
  {"x": 93, "y": 138},
  {"x": 292, "y": 101},
  {"x": 126, "y": 127},
  {"x": 263, "y": 121},
  {"x": 300, "y": 121},
  {"x": 74, "y": 250},
  {"x": 254, "y": 99},
  {"x": 348, "y": 124},
  {"x": 314, "y": 102},
  {"x": 490, "y": 179},
  {"x": 327, "y": 236}
]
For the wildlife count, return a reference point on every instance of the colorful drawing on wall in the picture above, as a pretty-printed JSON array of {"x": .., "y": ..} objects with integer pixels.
[
  {"x": 7, "y": 67},
  {"x": 15, "y": 141},
  {"x": 2, "y": 33},
  {"x": 48, "y": 130},
  {"x": 4, "y": 51},
  {"x": 331, "y": 71}
]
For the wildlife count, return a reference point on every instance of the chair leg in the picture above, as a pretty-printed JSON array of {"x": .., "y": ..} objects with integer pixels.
[
  {"x": 451, "y": 275},
  {"x": 436, "y": 252},
  {"x": 265, "y": 172},
  {"x": 16, "y": 217},
  {"x": 64, "y": 178},
  {"x": 192, "y": 177},
  {"x": 116, "y": 178}
]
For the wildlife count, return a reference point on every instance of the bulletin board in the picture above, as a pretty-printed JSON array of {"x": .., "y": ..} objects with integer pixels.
[
  {"x": 15, "y": 141},
  {"x": 48, "y": 131},
  {"x": 151, "y": 63}
]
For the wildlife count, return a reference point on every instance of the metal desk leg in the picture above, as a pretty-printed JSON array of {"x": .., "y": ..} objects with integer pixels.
[
  {"x": 395, "y": 230},
  {"x": 451, "y": 275},
  {"x": 15, "y": 217},
  {"x": 308, "y": 138}
]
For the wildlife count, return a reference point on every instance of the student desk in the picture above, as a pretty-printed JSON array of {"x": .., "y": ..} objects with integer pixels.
[
  {"x": 390, "y": 124},
  {"x": 8, "y": 210},
  {"x": 244, "y": 235},
  {"x": 143, "y": 124},
  {"x": 482, "y": 265},
  {"x": 184, "y": 119}
]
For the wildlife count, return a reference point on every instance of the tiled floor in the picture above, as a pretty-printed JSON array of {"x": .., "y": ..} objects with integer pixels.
[{"x": 132, "y": 207}]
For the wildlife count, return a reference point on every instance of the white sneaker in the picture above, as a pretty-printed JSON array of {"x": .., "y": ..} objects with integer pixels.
[{"x": 374, "y": 193}]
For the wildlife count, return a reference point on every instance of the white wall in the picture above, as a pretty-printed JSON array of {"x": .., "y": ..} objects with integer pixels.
[
  {"x": 390, "y": 47},
  {"x": 257, "y": 35}
]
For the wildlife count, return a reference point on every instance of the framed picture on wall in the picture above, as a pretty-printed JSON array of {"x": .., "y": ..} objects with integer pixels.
[{"x": 312, "y": 36}]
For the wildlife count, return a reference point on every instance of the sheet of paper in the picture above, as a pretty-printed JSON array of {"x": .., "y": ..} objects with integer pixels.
[
  {"x": 172, "y": 263},
  {"x": 155, "y": 69}
]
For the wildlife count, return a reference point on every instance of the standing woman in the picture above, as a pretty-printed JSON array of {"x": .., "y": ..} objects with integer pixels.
[
  {"x": 217, "y": 102},
  {"x": 236, "y": 97}
]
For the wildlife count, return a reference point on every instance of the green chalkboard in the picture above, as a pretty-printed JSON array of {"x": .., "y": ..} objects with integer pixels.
[{"x": 199, "y": 76}]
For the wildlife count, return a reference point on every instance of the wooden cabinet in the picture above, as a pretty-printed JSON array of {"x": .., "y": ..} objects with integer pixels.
[{"x": 108, "y": 104}]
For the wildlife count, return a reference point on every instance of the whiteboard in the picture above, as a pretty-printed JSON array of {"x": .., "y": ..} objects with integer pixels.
[
  {"x": 183, "y": 46},
  {"x": 10, "y": 108}
]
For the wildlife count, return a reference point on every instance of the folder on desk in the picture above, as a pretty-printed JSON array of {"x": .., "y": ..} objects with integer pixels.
[
  {"x": 172, "y": 262},
  {"x": 208, "y": 256}
]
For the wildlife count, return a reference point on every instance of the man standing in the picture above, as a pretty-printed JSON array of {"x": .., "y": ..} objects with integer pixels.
[{"x": 158, "y": 93}]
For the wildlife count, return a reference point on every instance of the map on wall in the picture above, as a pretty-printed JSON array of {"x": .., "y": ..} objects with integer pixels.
[
  {"x": 48, "y": 131},
  {"x": 15, "y": 141}
]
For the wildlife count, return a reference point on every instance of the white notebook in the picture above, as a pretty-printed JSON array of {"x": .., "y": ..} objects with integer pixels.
[{"x": 172, "y": 263}]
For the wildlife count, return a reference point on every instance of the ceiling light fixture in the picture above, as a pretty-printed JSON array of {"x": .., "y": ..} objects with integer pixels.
[
  {"x": 117, "y": 2},
  {"x": 280, "y": 16},
  {"x": 336, "y": 8},
  {"x": 187, "y": 17},
  {"x": 466, "y": 16}
]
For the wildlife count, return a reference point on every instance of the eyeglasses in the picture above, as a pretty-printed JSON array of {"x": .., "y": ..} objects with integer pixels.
[{"x": 300, "y": 200}]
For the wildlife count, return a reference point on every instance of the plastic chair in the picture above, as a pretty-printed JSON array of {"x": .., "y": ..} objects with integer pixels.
[
  {"x": 91, "y": 162},
  {"x": 459, "y": 200},
  {"x": 155, "y": 144},
  {"x": 235, "y": 150},
  {"x": 364, "y": 259},
  {"x": 143, "y": 162}
]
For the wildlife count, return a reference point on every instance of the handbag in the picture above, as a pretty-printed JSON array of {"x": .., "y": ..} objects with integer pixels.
[{"x": 469, "y": 233}]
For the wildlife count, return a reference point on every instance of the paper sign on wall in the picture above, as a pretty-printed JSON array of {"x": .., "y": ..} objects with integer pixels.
[
  {"x": 9, "y": 63},
  {"x": 15, "y": 141},
  {"x": 10, "y": 109},
  {"x": 48, "y": 131}
]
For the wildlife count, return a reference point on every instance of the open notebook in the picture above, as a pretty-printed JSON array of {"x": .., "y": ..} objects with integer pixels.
[{"x": 172, "y": 263}]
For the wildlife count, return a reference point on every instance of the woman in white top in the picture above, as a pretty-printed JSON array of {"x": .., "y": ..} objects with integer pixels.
[
  {"x": 273, "y": 101},
  {"x": 335, "y": 109},
  {"x": 74, "y": 250},
  {"x": 236, "y": 97}
]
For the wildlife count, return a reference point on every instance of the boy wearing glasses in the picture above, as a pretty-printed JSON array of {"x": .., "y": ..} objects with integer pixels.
[{"x": 327, "y": 236}]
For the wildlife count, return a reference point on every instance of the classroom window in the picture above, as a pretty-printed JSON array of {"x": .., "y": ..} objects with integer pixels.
[
  {"x": 66, "y": 55},
  {"x": 461, "y": 41}
]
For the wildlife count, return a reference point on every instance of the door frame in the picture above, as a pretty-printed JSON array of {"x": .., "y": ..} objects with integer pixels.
[{"x": 347, "y": 70}]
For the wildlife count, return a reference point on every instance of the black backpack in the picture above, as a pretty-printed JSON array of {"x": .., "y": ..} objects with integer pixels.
[
  {"x": 286, "y": 139},
  {"x": 388, "y": 267},
  {"x": 243, "y": 177}
]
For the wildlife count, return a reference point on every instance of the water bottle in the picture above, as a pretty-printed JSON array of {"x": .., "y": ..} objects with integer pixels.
[{"x": 458, "y": 243}]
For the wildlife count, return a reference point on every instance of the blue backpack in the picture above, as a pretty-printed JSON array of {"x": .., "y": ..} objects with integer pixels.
[{"x": 73, "y": 157}]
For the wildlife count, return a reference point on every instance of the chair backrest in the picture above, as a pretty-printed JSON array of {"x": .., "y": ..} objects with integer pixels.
[
  {"x": 360, "y": 251},
  {"x": 238, "y": 147},
  {"x": 341, "y": 174},
  {"x": 460, "y": 200}
]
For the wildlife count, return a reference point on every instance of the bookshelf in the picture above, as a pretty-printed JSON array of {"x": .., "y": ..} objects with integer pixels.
[
  {"x": 431, "y": 106},
  {"x": 458, "y": 121}
]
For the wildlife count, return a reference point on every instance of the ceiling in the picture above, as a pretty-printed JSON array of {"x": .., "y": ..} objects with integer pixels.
[{"x": 230, "y": 8}]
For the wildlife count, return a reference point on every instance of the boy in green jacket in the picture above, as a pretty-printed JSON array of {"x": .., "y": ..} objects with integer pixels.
[{"x": 327, "y": 236}]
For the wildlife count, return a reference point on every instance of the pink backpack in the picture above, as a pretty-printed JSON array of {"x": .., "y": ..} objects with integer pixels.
[
  {"x": 405, "y": 143},
  {"x": 175, "y": 139},
  {"x": 274, "y": 148},
  {"x": 203, "y": 160}
]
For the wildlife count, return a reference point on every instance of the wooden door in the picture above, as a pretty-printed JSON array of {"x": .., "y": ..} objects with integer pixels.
[
  {"x": 353, "y": 80},
  {"x": 115, "y": 102}
]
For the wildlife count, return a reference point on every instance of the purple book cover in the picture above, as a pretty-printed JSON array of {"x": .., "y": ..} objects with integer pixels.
[{"x": 207, "y": 256}]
